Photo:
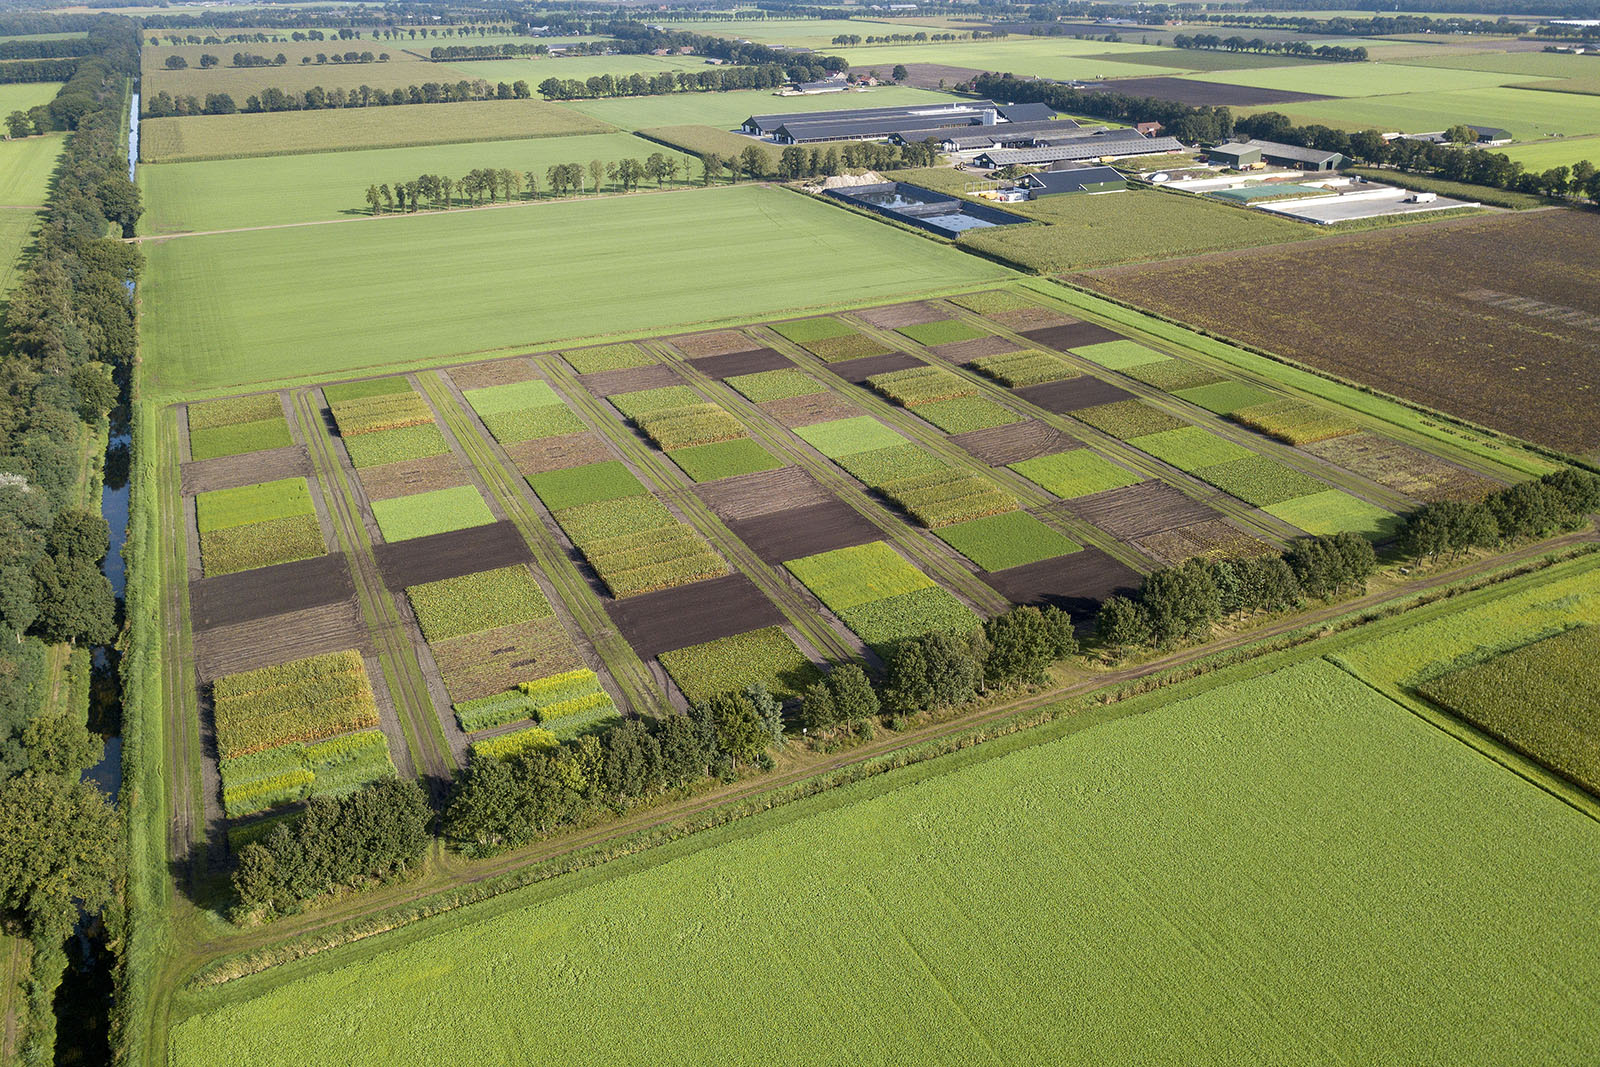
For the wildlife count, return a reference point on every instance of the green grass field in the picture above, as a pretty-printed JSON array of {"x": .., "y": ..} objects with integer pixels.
[
  {"x": 727, "y": 110},
  {"x": 1061, "y": 58},
  {"x": 288, "y": 132},
  {"x": 222, "y": 194},
  {"x": 20, "y": 96},
  {"x": 1542, "y": 155},
  {"x": 1363, "y": 79},
  {"x": 229, "y": 309},
  {"x": 17, "y": 228},
  {"x": 1022, "y": 909},
  {"x": 25, "y": 169},
  {"x": 1528, "y": 114},
  {"x": 1332, "y": 511}
]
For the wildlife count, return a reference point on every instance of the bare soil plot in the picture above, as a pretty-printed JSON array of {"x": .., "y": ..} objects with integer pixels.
[
  {"x": 257, "y": 594},
  {"x": 1074, "y": 394},
  {"x": 1402, "y": 468},
  {"x": 977, "y": 348},
  {"x": 1498, "y": 316},
  {"x": 858, "y": 371},
  {"x": 545, "y": 454},
  {"x": 1003, "y": 445},
  {"x": 715, "y": 343},
  {"x": 1035, "y": 318},
  {"x": 692, "y": 614},
  {"x": 246, "y": 646},
  {"x": 931, "y": 75},
  {"x": 798, "y": 411},
  {"x": 609, "y": 382},
  {"x": 495, "y": 372},
  {"x": 1076, "y": 584},
  {"x": 752, "y": 495},
  {"x": 1139, "y": 510},
  {"x": 1072, "y": 335},
  {"x": 450, "y": 555},
  {"x": 1214, "y": 94},
  {"x": 230, "y": 472},
  {"x": 389, "y": 480},
  {"x": 912, "y": 313},
  {"x": 805, "y": 531},
  {"x": 1215, "y": 538},
  {"x": 731, "y": 363}
]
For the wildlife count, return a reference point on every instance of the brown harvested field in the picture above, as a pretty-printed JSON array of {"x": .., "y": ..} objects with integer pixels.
[
  {"x": 558, "y": 453},
  {"x": 1076, "y": 584},
  {"x": 413, "y": 476},
  {"x": 1024, "y": 319},
  {"x": 1072, "y": 335},
  {"x": 931, "y": 75},
  {"x": 1214, "y": 94},
  {"x": 752, "y": 495},
  {"x": 495, "y": 372},
  {"x": 799, "y": 411},
  {"x": 611, "y": 382},
  {"x": 1138, "y": 510},
  {"x": 912, "y": 313},
  {"x": 797, "y": 532},
  {"x": 249, "y": 595},
  {"x": 752, "y": 362},
  {"x": 691, "y": 614},
  {"x": 1002, "y": 445},
  {"x": 977, "y": 348},
  {"x": 1493, "y": 318},
  {"x": 1404, "y": 469},
  {"x": 450, "y": 555},
  {"x": 715, "y": 343},
  {"x": 1214, "y": 539},
  {"x": 859, "y": 370},
  {"x": 246, "y": 646},
  {"x": 228, "y": 472},
  {"x": 1074, "y": 394},
  {"x": 483, "y": 664}
]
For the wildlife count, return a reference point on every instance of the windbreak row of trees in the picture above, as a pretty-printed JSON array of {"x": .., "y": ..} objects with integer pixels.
[
  {"x": 847, "y": 40},
  {"x": 1561, "y": 500},
  {"x": 710, "y": 80},
  {"x": 1376, "y": 26},
  {"x": 37, "y": 70},
  {"x": 489, "y": 185},
  {"x": 1329, "y": 52},
  {"x": 250, "y": 59},
  {"x": 67, "y": 48},
  {"x": 508, "y": 50},
  {"x": 639, "y": 39},
  {"x": 316, "y": 98}
]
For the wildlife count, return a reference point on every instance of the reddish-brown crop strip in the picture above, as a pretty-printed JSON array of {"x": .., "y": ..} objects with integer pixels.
[
  {"x": 493, "y": 661},
  {"x": 409, "y": 476},
  {"x": 978, "y": 347},
  {"x": 752, "y": 495},
  {"x": 229, "y": 472},
  {"x": 913, "y": 313},
  {"x": 1076, "y": 583},
  {"x": 804, "y": 531},
  {"x": 1213, "y": 539},
  {"x": 293, "y": 635},
  {"x": 692, "y": 614},
  {"x": 419, "y": 560},
  {"x": 547, "y": 454},
  {"x": 495, "y": 372},
  {"x": 752, "y": 362},
  {"x": 1036, "y": 318},
  {"x": 1074, "y": 394},
  {"x": 1139, "y": 510},
  {"x": 715, "y": 343},
  {"x": 1072, "y": 335},
  {"x": 1002, "y": 445},
  {"x": 266, "y": 591},
  {"x": 607, "y": 382},
  {"x": 1422, "y": 292},
  {"x": 1402, "y": 468},
  {"x": 797, "y": 411}
]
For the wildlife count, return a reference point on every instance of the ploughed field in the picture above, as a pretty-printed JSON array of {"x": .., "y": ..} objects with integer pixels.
[{"x": 1491, "y": 319}]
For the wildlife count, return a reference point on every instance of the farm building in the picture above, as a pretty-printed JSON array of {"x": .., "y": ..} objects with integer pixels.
[
  {"x": 1074, "y": 180},
  {"x": 878, "y": 122},
  {"x": 1112, "y": 144},
  {"x": 999, "y": 135},
  {"x": 827, "y": 85},
  {"x": 1241, "y": 154}
]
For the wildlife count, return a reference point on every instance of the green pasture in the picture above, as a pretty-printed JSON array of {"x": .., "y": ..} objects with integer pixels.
[
  {"x": 727, "y": 110},
  {"x": 222, "y": 194},
  {"x": 1563, "y": 152},
  {"x": 1527, "y": 113},
  {"x": 26, "y": 165},
  {"x": 1060, "y": 58},
  {"x": 20, "y": 96},
  {"x": 1363, "y": 79},
  {"x": 1239, "y": 867},
  {"x": 1534, "y": 64},
  {"x": 17, "y": 227},
  {"x": 239, "y": 82},
  {"x": 806, "y": 33},
  {"x": 229, "y": 309},
  {"x": 579, "y": 68}
]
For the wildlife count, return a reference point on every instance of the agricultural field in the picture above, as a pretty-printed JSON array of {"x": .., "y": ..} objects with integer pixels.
[
  {"x": 1540, "y": 156},
  {"x": 1060, "y": 58},
  {"x": 1528, "y": 114},
  {"x": 1509, "y": 282},
  {"x": 725, "y": 111},
  {"x": 21, "y": 96},
  {"x": 401, "y": 70},
  {"x": 26, "y": 165}
]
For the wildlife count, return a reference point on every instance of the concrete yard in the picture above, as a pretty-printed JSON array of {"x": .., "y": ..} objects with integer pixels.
[{"x": 1365, "y": 204}]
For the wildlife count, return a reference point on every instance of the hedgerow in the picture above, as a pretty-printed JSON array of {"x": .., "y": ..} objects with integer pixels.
[{"x": 471, "y": 603}]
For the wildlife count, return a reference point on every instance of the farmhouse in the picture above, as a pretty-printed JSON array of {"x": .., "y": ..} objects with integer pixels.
[
  {"x": 1074, "y": 180},
  {"x": 1113, "y": 144},
  {"x": 1241, "y": 154}
]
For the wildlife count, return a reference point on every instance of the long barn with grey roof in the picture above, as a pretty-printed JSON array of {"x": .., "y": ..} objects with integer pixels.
[
  {"x": 999, "y": 135},
  {"x": 879, "y": 122},
  {"x": 1085, "y": 148}
]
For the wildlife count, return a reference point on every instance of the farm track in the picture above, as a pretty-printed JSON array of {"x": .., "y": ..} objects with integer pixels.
[
  {"x": 183, "y": 757},
  {"x": 453, "y": 870}
]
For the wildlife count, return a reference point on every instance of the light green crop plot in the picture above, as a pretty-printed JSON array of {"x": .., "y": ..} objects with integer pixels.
[
  {"x": 25, "y": 168},
  {"x": 1363, "y": 79},
  {"x": 222, "y": 194},
  {"x": 1168, "y": 868},
  {"x": 727, "y": 110},
  {"x": 1527, "y": 113},
  {"x": 233, "y": 308}
]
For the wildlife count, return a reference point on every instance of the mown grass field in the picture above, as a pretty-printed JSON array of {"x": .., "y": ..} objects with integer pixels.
[
  {"x": 1543, "y": 155},
  {"x": 222, "y": 194},
  {"x": 229, "y": 309},
  {"x": 25, "y": 169},
  {"x": 289, "y": 132},
  {"x": 1527, "y": 113},
  {"x": 20, "y": 96},
  {"x": 1061, "y": 58},
  {"x": 17, "y": 227},
  {"x": 727, "y": 110},
  {"x": 1363, "y": 79},
  {"x": 1023, "y": 909}
]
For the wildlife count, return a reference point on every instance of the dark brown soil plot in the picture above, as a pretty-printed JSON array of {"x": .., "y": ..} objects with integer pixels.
[
  {"x": 859, "y": 370},
  {"x": 1024, "y": 319},
  {"x": 558, "y": 453},
  {"x": 1075, "y": 335},
  {"x": 1076, "y": 584},
  {"x": 787, "y": 535},
  {"x": 1215, "y": 538},
  {"x": 1139, "y": 510},
  {"x": 1216, "y": 94},
  {"x": 1402, "y": 468},
  {"x": 1074, "y": 394},
  {"x": 230, "y": 599},
  {"x": 752, "y": 362},
  {"x": 450, "y": 555},
  {"x": 495, "y": 372},
  {"x": 276, "y": 639},
  {"x": 202, "y": 476},
  {"x": 716, "y": 343},
  {"x": 1495, "y": 318},
  {"x": 1001, "y": 445},
  {"x": 914, "y": 313},
  {"x": 797, "y": 411},
  {"x": 413, "y": 476},
  {"x": 692, "y": 614},
  {"x": 751, "y": 495},
  {"x": 978, "y": 347},
  {"x": 931, "y": 75},
  {"x": 610, "y": 382}
]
